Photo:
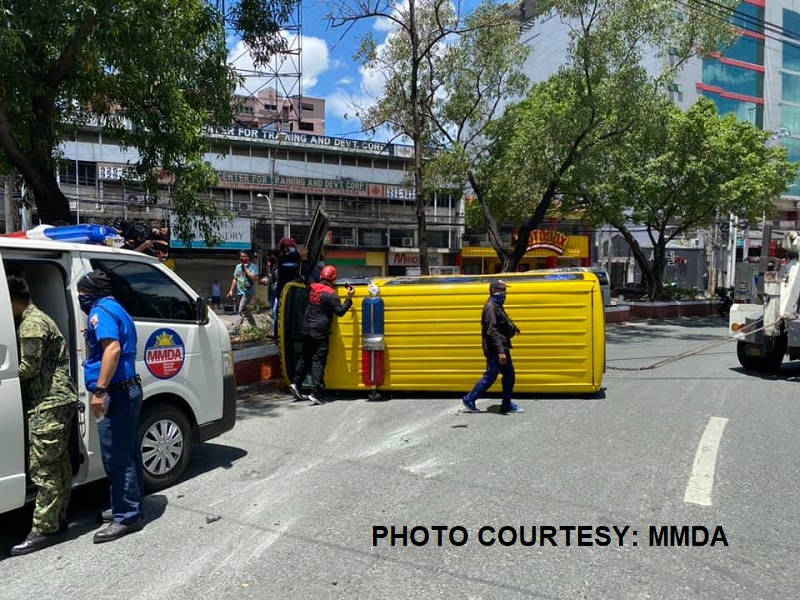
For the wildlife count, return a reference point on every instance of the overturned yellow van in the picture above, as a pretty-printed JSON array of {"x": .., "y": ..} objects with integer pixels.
[{"x": 432, "y": 333}]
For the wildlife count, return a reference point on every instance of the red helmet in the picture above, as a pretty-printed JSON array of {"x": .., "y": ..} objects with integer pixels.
[{"x": 328, "y": 272}]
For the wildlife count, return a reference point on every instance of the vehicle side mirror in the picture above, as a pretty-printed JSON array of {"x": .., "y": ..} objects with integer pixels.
[{"x": 200, "y": 310}]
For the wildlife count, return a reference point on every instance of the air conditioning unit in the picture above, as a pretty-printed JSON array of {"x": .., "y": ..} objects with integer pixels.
[
  {"x": 407, "y": 242},
  {"x": 244, "y": 207}
]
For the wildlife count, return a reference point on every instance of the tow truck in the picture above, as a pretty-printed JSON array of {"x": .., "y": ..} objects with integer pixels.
[{"x": 769, "y": 329}]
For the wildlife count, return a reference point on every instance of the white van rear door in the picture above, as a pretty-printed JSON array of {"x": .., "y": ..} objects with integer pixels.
[{"x": 12, "y": 429}]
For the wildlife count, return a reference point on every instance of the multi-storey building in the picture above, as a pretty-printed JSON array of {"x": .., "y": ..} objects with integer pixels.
[
  {"x": 272, "y": 182},
  {"x": 268, "y": 110}
]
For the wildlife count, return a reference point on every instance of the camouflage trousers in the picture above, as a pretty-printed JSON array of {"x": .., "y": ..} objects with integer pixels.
[{"x": 49, "y": 464}]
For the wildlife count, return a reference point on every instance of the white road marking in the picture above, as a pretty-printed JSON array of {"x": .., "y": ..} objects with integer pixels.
[{"x": 698, "y": 490}]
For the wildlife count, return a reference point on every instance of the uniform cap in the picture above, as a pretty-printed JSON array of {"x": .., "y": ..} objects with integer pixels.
[{"x": 497, "y": 286}]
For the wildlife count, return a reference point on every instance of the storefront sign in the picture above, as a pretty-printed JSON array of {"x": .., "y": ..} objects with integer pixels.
[
  {"x": 260, "y": 181},
  {"x": 303, "y": 185},
  {"x": 235, "y": 235},
  {"x": 548, "y": 240},
  {"x": 305, "y": 140},
  {"x": 411, "y": 259},
  {"x": 118, "y": 172}
]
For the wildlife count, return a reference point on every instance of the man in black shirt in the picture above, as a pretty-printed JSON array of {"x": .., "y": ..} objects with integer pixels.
[
  {"x": 287, "y": 269},
  {"x": 497, "y": 329},
  {"x": 323, "y": 303}
]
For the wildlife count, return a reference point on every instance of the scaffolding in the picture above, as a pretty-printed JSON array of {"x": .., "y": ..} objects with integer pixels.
[{"x": 270, "y": 96}]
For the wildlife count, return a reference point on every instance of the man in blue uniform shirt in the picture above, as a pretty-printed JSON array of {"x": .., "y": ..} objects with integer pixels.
[{"x": 110, "y": 374}]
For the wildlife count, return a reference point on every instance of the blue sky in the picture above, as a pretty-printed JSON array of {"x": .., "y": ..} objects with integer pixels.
[{"x": 328, "y": 68}]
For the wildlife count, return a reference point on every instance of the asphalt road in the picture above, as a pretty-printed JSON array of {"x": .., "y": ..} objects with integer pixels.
[{"x": 285, "y": 505}]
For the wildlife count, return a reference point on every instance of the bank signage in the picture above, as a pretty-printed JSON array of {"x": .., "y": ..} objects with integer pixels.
[
  {"x": 411, "y": 259},
  {"x": 235, "y": 235},
  {"x": 306, "y": 140}
]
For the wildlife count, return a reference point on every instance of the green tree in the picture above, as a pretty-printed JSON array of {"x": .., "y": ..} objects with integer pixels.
[
  {"x": 477, "y": 75},
  {"x": 600, "y": 93},
  {"x": 677, "y": 172},
  {"x": 150, "y": 73},
  {"x": 412, "y": 62}
]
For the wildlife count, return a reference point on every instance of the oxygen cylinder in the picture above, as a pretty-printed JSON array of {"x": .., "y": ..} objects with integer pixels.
[{"x": 372, "y": 337}]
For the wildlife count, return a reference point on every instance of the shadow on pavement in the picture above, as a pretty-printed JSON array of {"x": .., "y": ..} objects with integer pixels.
[
  {"x": 789, "y": 371},
  {"x": 209, "y": 456},
  {"x": 83, "y": 516},
  {"x": 263, "y": 399}
]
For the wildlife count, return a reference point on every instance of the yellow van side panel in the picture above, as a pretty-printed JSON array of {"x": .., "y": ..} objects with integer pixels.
[{"x": 433, "y": 337}]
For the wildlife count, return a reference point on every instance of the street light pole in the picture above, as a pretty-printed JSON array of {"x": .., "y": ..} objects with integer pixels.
[{"x": 271, "y": 197}]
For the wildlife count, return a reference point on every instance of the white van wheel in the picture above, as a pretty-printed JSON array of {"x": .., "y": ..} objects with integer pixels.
[{"x": 165, "y": 438}]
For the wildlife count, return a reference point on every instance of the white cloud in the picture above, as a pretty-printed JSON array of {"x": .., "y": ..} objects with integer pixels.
[
  {"x": 347, "y": 81},
  {"x": 315, "y": 61}
]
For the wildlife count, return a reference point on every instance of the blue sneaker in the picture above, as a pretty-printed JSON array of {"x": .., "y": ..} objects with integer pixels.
[
  {"x": 513, "y": 407},
  {"x": 469, "y": 406}
]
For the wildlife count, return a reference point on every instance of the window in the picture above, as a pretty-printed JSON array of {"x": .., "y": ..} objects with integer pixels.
[
  {"x": 145, "y": 292},
  {"x": 438, "y": 239},
  {"x": 87, "y": 172},
  {"x": 306, "y": 106},
  {"x": 403, "y": 238},
  {"x": 790, "y": 118},
  {"x": 746, "y": 49},
  {"x": 791, "y": 24},
  {"x": 791, "y": 88},
  {"x": 744, "y": 111},
  {"x": 793, "y": 148},
  {"x": 733, "y": 79},
  {"x": 371, "y": 237},
  {"x": 750, "y": 17},
  {"x": 791, "y": 56},
  {"x": 306, "y": 126}
]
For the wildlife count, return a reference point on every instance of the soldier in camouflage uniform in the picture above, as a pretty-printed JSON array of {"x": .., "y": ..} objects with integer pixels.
[{"x": 49, "y": 398}]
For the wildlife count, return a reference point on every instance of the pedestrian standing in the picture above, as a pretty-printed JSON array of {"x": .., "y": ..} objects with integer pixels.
[
  {"x": 245, "y": 278},
  {"x": 216, "y": 294},
  {"x": 50, "y": 402},
  {"x": 497, "y": 329},
  {"x": 323, "y": 303},
  {"x": 110, "y": 374}
]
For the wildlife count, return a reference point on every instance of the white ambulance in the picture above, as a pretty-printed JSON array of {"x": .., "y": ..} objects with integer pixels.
[{"x": 184, "y": 358}]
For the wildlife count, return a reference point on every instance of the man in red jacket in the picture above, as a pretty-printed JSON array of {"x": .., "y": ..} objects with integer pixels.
[{"x": 323, "y": 302}]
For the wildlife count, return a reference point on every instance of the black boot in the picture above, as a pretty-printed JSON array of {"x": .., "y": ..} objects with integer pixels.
[
  {"x": 34, "y": 541},
  {"x": 114, "y": 531}
]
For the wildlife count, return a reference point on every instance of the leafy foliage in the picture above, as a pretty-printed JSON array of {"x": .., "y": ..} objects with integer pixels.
[
  {"x": 150, "y": 73},
  {"x": 596, "y": 97},
  {"x": 679, "y": 172},
  {"x": 428, "y": 63}
]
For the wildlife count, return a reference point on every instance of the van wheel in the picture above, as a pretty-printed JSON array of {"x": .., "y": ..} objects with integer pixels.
[
  {"x": 165, "y": 437},
  {"x": 769, "y": 361}
]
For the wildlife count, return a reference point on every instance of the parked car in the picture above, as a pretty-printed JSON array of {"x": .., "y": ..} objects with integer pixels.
[
  {"x": 630, "y": 291},
  {"x": 602, "y": 276}
]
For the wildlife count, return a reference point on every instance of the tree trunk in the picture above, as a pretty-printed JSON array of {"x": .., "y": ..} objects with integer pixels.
[
  {"x": 641, "y": 259},
  {"x": 416, "y": 124},
  {"x": 38, "y": 172},
  {"x": 492, "y": 228}
]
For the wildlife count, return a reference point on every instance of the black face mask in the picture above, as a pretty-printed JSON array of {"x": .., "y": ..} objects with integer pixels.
[{"x": 87, "y": 302}]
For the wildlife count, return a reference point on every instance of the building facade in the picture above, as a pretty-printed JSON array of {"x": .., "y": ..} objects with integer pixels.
[{"x": 272, "y": 182}]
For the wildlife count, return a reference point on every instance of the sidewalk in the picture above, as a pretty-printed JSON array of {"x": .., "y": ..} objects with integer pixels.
[{"x": 253, "y": 361}]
